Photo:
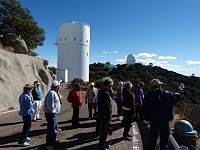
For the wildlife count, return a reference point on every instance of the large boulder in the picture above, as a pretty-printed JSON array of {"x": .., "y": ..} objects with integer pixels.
[
  {"x": 15, "y": 71},
  {"x": 14, "y": 43}
]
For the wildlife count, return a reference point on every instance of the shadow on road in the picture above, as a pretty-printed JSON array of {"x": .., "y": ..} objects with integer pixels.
[
  {"x": 12, "y": 123},
  {"x": 144, "y": 132},
  {"x": 15, "y": 137}
]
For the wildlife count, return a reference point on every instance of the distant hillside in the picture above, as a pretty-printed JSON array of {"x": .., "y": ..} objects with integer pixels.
[{"x": 138, "y": 72}]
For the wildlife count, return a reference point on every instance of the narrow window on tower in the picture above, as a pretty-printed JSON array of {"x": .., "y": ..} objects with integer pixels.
[
  {"x": 87, "y": 54},
  {"x": 60, "y": 39},
  {"x": 74, "y": 39},
  {"x": 80, "y": 40},
  {"x": 87, "y": 41},
  {"x": 65, "y": 39}
]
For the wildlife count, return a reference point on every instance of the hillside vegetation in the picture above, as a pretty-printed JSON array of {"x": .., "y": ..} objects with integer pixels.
[{"x": 140, "y": 73}]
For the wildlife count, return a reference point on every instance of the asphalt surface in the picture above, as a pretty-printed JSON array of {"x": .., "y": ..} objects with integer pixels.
[{"x": 82, "y": 138}]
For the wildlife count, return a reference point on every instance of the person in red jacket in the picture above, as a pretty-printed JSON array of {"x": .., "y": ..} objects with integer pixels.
[{"x": 76, "y": 104}]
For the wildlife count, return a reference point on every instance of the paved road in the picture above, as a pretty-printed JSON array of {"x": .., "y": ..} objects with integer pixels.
[{"x": 82, "y": 138}]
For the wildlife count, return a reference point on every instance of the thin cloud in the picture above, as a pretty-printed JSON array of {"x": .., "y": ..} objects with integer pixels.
[
  {"x": 114, "y": 52},
  {"x": 161, "y": 61},
  {"x": 101, "y": 56},
  {"x": 120, "y": 60},
  {"x": 147, "y": 55},
  {"x": 163, "y": 64},
  {"x": 191, "y": 62},
  {"x": 104, "y": 52},
  {"x": 53, "y": 65},
  {"x": 167, "y": 57}
]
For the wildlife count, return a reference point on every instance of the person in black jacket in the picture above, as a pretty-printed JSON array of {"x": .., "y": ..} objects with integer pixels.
[
  {"x": 128, "y": 107},
  {"x": 105, "y": 111},
  {"x": 157, "y": 108}
]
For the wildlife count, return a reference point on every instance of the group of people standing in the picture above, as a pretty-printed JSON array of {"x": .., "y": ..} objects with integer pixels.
[
  {"x": 29, "y": 109},
  {"x": 155, "y": 107},
  {"x": 30, "y": 105}
]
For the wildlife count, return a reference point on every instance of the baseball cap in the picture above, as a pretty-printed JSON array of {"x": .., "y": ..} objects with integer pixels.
[
  {"x": 55, "y": 83},
  {"x": 155, "y": 82},
  {"x": 36, "y": 82}
]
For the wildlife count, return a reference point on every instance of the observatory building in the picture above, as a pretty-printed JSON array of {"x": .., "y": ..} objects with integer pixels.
[
  {"x": 130, "y": 59},
  {"x": 73, "y": 41}
]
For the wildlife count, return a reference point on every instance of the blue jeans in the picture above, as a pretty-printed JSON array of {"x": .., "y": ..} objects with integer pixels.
[
  {"x": 90, "y": 109},
  {"x": 52, "y": 120},
  {"x": 26, "y": 129},
  {"x": 75, "y": 116},
  {"x": 155, "y": 129},
  {"x": 103, "y": 135}
]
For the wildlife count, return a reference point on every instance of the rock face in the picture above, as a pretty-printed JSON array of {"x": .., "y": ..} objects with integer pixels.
[
  {"x": 14, "y": 43},
  {"x": 15, "y": 71}
]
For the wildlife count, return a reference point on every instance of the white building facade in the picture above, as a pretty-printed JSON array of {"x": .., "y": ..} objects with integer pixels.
[
  {"x": 73, "y": 41},
  {"x": 130, "y": 59}
]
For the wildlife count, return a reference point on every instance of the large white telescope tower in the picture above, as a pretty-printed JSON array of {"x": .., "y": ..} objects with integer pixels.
[{"x": 73, "y": 41}]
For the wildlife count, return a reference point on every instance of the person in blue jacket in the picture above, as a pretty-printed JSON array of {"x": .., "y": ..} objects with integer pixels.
[
  {"x": 26, "y": 110},
  {"x": 37, "y": 99},
  {"x": 157, "y": 108},
  {"x": 139, "y": 97}
]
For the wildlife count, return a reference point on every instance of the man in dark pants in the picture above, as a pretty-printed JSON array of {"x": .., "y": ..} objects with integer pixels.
[
  {"x": 52, "y": 108},
  {"x": 105, "y": 111},
  {"x": 157, "y": 108},
  {"x": 139, "y": 97}
]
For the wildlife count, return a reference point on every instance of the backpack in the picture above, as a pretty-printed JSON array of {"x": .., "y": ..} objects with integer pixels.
[{"x": 70, "y": 96}]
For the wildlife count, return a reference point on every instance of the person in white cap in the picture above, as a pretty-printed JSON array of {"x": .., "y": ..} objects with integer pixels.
[
  {"x": 157, "y": 108},
  {"x": 52, "y": 108},
  {"x": 91, "y": 92}
]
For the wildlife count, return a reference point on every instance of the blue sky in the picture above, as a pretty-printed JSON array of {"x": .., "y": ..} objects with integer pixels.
[{"x": 163, "y": 32}]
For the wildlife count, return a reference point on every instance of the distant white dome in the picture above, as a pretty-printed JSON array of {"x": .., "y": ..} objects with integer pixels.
[
  {"x": 108, "y": 64},
  {"x": 130, "y": 59},
  {"x": 151, "y": 64}
]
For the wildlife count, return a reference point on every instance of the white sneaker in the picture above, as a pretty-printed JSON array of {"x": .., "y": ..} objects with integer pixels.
[
  {"x": 28, "y": 139},
  {"x": 24, "y": 144},
  {"x": 119, "y": 118}
]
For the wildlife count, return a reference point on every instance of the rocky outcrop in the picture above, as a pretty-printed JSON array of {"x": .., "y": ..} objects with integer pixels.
[
  {"x": 14, "y": 43},
  {"x": 15, "y": 71}
]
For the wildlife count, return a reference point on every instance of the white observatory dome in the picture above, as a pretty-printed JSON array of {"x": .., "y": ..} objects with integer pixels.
[
  {"x": 130, "y": 59},
  {"x": 73, "y": 41}
]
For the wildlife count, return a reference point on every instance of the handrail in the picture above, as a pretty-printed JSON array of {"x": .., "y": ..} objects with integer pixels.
[{"x": 173, "y": 143}]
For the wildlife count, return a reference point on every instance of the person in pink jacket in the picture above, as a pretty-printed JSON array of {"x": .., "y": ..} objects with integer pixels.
[{"x": 76, "y": 104}]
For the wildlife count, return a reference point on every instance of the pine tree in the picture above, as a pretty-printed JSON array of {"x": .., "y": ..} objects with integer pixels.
[{"x": 17, "y": 20}]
